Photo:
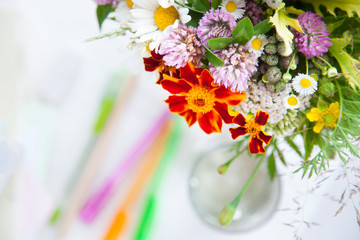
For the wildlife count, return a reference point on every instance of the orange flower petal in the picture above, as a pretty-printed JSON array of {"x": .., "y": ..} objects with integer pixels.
[
  {"x": 222, "y": 110},
  {"x": 174, "y": 85},
  {"x": 210, "y": 122},
  {"x": 231, "y": 98},
  {"x": 265, "y": 137},
  {"x": 190, "y": 73},
  {"x": 261, "y": 117},
  {"x": 190, "y": 117},
  {"x": 151, "y": 64},
  {"x": 240, "y": 120},
  {"x": 177, "y": 104},
  {"x": 256, "y": 146},
  {"x": 236, "y": 132},
  {"x": 206, "y": 79}
]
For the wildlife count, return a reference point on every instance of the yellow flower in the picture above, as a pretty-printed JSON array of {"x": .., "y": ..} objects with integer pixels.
[{"x": 324, "y": 118}]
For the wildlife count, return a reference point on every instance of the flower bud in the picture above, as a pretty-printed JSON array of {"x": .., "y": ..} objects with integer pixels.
[
  {"x": 314, "y": 76},
  {"x": 327, "y": 89},
  {"x": 332, "y": 72},
  {"x": 222, "y": 169},
  {"x": 227, "y": 215},
  {"x": 280, "y": 86},
  {"x": 270, "y": 49},
  {"x": 274, "y": 74},
  {"x": 287, "y": 77},
  {"x": 272, "y": 60}
]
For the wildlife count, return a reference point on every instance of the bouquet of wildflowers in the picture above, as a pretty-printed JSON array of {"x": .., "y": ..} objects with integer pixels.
[{"x": 275, "y": 70}]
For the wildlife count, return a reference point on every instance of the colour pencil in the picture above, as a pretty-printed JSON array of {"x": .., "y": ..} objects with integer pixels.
[
  {"x": 101, "y": 196},
  {"x": 148, "y": 213},
  {"x": 123, "y": 216},
  {"x": 83, "y": 184}
]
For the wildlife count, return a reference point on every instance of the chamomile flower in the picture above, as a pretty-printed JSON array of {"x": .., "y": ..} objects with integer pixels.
[
  {"x": 292, "y": 102},
  {"x": 304, "y": 84},
  {"x": 234, "y": 7},
  {"x": 122, "y": 12},
  {"x": 256, "y": 44},
  {"x": 152, "y": 20}
]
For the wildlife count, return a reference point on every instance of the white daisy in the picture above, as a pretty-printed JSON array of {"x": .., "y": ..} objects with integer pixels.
[
  {"x": 256, "y": 44},
  {"x": 234, "y": 7},
  {"x": 122, "y": 12},
  {"x": 304, "y": 84},
  {"x": 152, "y": 20},
  {"x": 292, "y": 102}
]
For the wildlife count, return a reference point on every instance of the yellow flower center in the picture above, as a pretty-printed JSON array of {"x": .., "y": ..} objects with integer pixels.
[
  {"x": 130, "y": 3},
  {"x": 231, "y": 6},
  {"x": 165, "y": 17},
  {"x": 305, "y": 83},
  {"x": 252, "y": 128},
  {"x": 292, "y": 101},
  {"x": 256, "y": 43},
  {"x": 200, "y": 99}
]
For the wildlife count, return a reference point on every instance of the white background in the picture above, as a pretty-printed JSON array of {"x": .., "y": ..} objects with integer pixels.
[{"x": 51, "y": 87}]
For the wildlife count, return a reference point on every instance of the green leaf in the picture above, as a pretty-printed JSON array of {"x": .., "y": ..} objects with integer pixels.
[
  {"x": 220, "y": 43},
  {"x": 213, "y": 59},
  {"x": 350, "y": 66},
  {"x": 202, "y": 5},
  {"x": 215, "y": 3},
  {"x": 102, "y": 11},
  {"x": 262, "y": 27},
  {"x": 293, "y": 146},
  {"x": 349, "y": 6},
  {"x": 195, "y": 18},
  {"x": 271, "y": 166},
  {"x": 243, "y": 31},
  {"x": 309, "y": 139}
]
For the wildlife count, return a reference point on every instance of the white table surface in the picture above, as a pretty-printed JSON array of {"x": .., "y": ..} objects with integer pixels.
[{"x": 47, "y": 59}]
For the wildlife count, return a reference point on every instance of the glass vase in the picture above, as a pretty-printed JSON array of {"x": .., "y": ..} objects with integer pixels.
[{"x": 210, "y": 191}]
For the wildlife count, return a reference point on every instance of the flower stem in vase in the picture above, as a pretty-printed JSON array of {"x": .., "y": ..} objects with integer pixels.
[{"x": 227, "y": 214}]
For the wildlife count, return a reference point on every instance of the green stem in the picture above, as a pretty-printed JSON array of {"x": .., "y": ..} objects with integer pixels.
[
  {"x": 223, "y": 168},
  {"x": 324, "y": 61},
  {"x": 307, "y": 65},
  {"x": 292, "y": 59},
  {"x": 236, "y": 201},
  {"x": 191, "y": 8}
]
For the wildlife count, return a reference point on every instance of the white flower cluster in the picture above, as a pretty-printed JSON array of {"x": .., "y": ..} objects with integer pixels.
[{"x": 260, "y": 98}]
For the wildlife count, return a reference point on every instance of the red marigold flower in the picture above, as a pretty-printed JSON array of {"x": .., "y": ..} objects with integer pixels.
[
  {"x": 197, "y": 98},
  {"x": 253, "y": 128},
  {"x": 156, "y": 62}
]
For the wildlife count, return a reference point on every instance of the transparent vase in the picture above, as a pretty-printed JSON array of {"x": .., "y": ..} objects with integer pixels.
[{"x": 210, "y": 191}]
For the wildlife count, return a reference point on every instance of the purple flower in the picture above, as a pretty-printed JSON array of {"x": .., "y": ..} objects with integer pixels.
[
  {"x": 240, "y": 65},
  {"x": 214, "y": 24},
  {"x": 254, "y": 12},
  {"x": 104, "y": 2},
  {"x": 316, "y": 39},
  {"x": 182, "y": 46}
]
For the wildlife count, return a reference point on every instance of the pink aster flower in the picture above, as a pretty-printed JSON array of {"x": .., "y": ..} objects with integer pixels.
[
  {"x": 240, "y": 65},
  {"x": 214, "y": 24},
  {"x": 182, "y": 46},
  {"x": 316, "y": 39},
  {"x": 104, "y": 2}
]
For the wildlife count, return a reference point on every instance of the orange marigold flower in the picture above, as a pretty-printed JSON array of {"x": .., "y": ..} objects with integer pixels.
[
  {"x": 197, "y": 98},
  {"x": 253, "y": 128},
  {"x": 156, "y": 62}
]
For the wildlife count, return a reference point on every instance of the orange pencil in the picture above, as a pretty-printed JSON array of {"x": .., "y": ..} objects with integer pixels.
[{"x": 151, "y": 159}]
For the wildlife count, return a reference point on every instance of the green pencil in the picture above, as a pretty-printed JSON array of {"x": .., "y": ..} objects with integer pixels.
[{"x": 148, "y": 213}]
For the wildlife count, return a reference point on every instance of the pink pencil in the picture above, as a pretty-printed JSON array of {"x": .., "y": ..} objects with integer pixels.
[{"x": 101, "y": 196}]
